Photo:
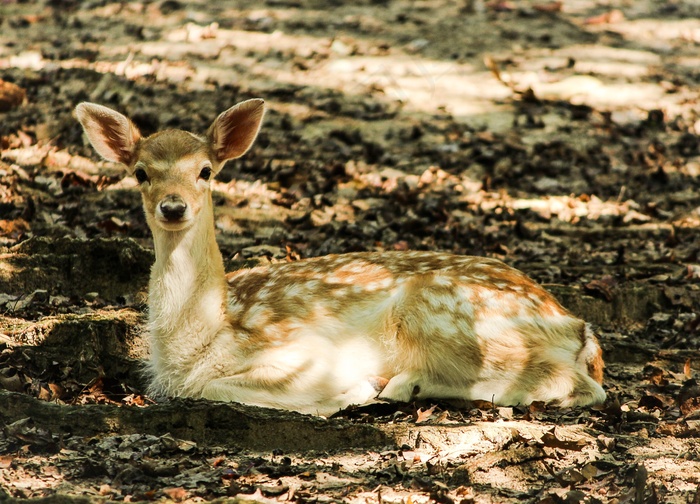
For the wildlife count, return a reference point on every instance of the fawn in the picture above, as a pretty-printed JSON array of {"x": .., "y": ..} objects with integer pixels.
[{"x": 321, "y": 334}]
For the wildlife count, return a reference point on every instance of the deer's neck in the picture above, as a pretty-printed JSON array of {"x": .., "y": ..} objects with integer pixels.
[{"x": 187, "y": 290}]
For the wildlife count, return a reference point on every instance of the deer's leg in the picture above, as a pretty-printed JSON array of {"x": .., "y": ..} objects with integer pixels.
[
  {"x": 360, "y": 393},
  {"x": 378, "y": 383},
  {"x": 289, "y": 378},
  {"x": 233, "y": 389},
  {"x": 586, "y": 391},
  {"x": 403, "y": 387},
  {"x": 410, "y": 385},
  {"x": 315, "y": 402}
]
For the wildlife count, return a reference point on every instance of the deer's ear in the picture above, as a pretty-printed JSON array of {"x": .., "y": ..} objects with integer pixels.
[
  {"x": 234, "y": 131},
  {"x": 112, "y": 134}
]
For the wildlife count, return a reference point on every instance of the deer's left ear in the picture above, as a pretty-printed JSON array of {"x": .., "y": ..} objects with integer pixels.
[
  {"x": 234, "y": 131},
  {"x": 112, "y": 134}
]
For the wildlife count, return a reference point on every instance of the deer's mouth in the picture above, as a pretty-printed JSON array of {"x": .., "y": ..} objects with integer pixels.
[{"x": 173, "y": 225}]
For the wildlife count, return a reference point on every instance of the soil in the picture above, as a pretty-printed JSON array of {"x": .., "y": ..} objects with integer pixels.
[{"x": 560, "y": 137}]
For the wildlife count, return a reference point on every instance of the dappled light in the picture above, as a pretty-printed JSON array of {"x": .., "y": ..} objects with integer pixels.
[{"x": 562, "y": 138}]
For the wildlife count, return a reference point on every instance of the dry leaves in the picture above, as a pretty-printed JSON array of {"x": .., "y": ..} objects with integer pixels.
[
  {"x": 551, "y": 440},
  {"x": 424, "y": 415},
  {"x": 575, "y": 190},
  {"x": 11, "y": 96},
  {"x": 609, "y": 17},
  {"x": 604, "y": 286}
]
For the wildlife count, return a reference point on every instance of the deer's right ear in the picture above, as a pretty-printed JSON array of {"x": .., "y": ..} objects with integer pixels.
[{"x": 112, "y": 134}]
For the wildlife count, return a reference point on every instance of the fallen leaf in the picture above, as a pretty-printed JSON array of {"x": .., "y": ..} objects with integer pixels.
[
  {"x": 134, "y": 400},
  {"x": 217, "y": 461},
  {"x": 56, "y": 391},
  {"x": 25, "y": 140},
  {"x": 656, "y": 376},
  {"x": 604, "y": 286},
  {"x": 693, "y": 272},
  {"x": 424, "y": 415},
  {"x": 606, "y": 443},
  {"x": 44, "y": 394},
  {"x": 77, "y": 178},
  {"x": 672, "y": 429},
  {"x": 444, "y": 416},
  {"x": 113, "y": 224},
  {"x": 292, "y": 255},
  {"x": 483, "y": 405},
  {"x": 537, "y": 407},
  {"x": 500, "y": 6},
  {"x": 548, "y": 7},
  {"x": 505, "y": 413},
  {"x": 401, "y": 245},
  {"x": 689, "y": 397},
  {"x": 613, "y": 16},
  {"x": 551, "y": 440},
  {"x": 96, "y": 386},
  {"x": 177, "y": 494},
  {"x": 13, "y": 229},
  {"x": 11, "y": 96},
  {"x": 650, "y": 401}
]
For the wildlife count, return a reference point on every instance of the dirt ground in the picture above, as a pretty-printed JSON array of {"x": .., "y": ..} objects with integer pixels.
[{"x": 560, "y": 137}]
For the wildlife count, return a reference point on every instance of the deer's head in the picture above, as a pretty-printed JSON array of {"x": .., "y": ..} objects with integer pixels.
[{"x": 174, "y": 168}]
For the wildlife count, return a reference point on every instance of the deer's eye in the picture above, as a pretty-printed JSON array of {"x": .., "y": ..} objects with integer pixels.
[
  {"x": 141, "y": 175},
  {"x": 205, "y": 174}
]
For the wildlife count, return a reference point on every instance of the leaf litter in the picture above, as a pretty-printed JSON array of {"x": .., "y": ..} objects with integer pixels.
[{"x": 571, "y": 176}]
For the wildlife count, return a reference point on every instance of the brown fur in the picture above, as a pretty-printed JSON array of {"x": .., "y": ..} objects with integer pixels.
[{"x": 317, "y": 335}]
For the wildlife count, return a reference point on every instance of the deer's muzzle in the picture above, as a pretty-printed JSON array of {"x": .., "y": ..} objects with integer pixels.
[{"x": 172, "y": 208}]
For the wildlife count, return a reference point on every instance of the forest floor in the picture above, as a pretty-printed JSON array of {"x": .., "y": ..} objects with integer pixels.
[{"x": 560, "y": 137}]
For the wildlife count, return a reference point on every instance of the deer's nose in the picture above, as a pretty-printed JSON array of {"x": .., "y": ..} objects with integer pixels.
[{"x": 172, "y": 207}]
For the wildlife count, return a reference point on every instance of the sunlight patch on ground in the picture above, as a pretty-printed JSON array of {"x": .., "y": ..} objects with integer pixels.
[
  {"x": 7, "y": 270},
  {"x": 648, "y": 31},
  {"x": 423, "y": 85},
  {"x": 571, "y": 209}
]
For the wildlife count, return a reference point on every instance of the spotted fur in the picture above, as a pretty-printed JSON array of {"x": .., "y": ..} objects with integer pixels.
[{"x": 318, "y": 335}]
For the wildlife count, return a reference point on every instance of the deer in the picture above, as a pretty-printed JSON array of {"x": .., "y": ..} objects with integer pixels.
[{"x": 320, "y": 334}]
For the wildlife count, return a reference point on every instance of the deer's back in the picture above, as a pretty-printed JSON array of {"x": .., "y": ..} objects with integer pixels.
[{"x": 435, "y": 292}]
